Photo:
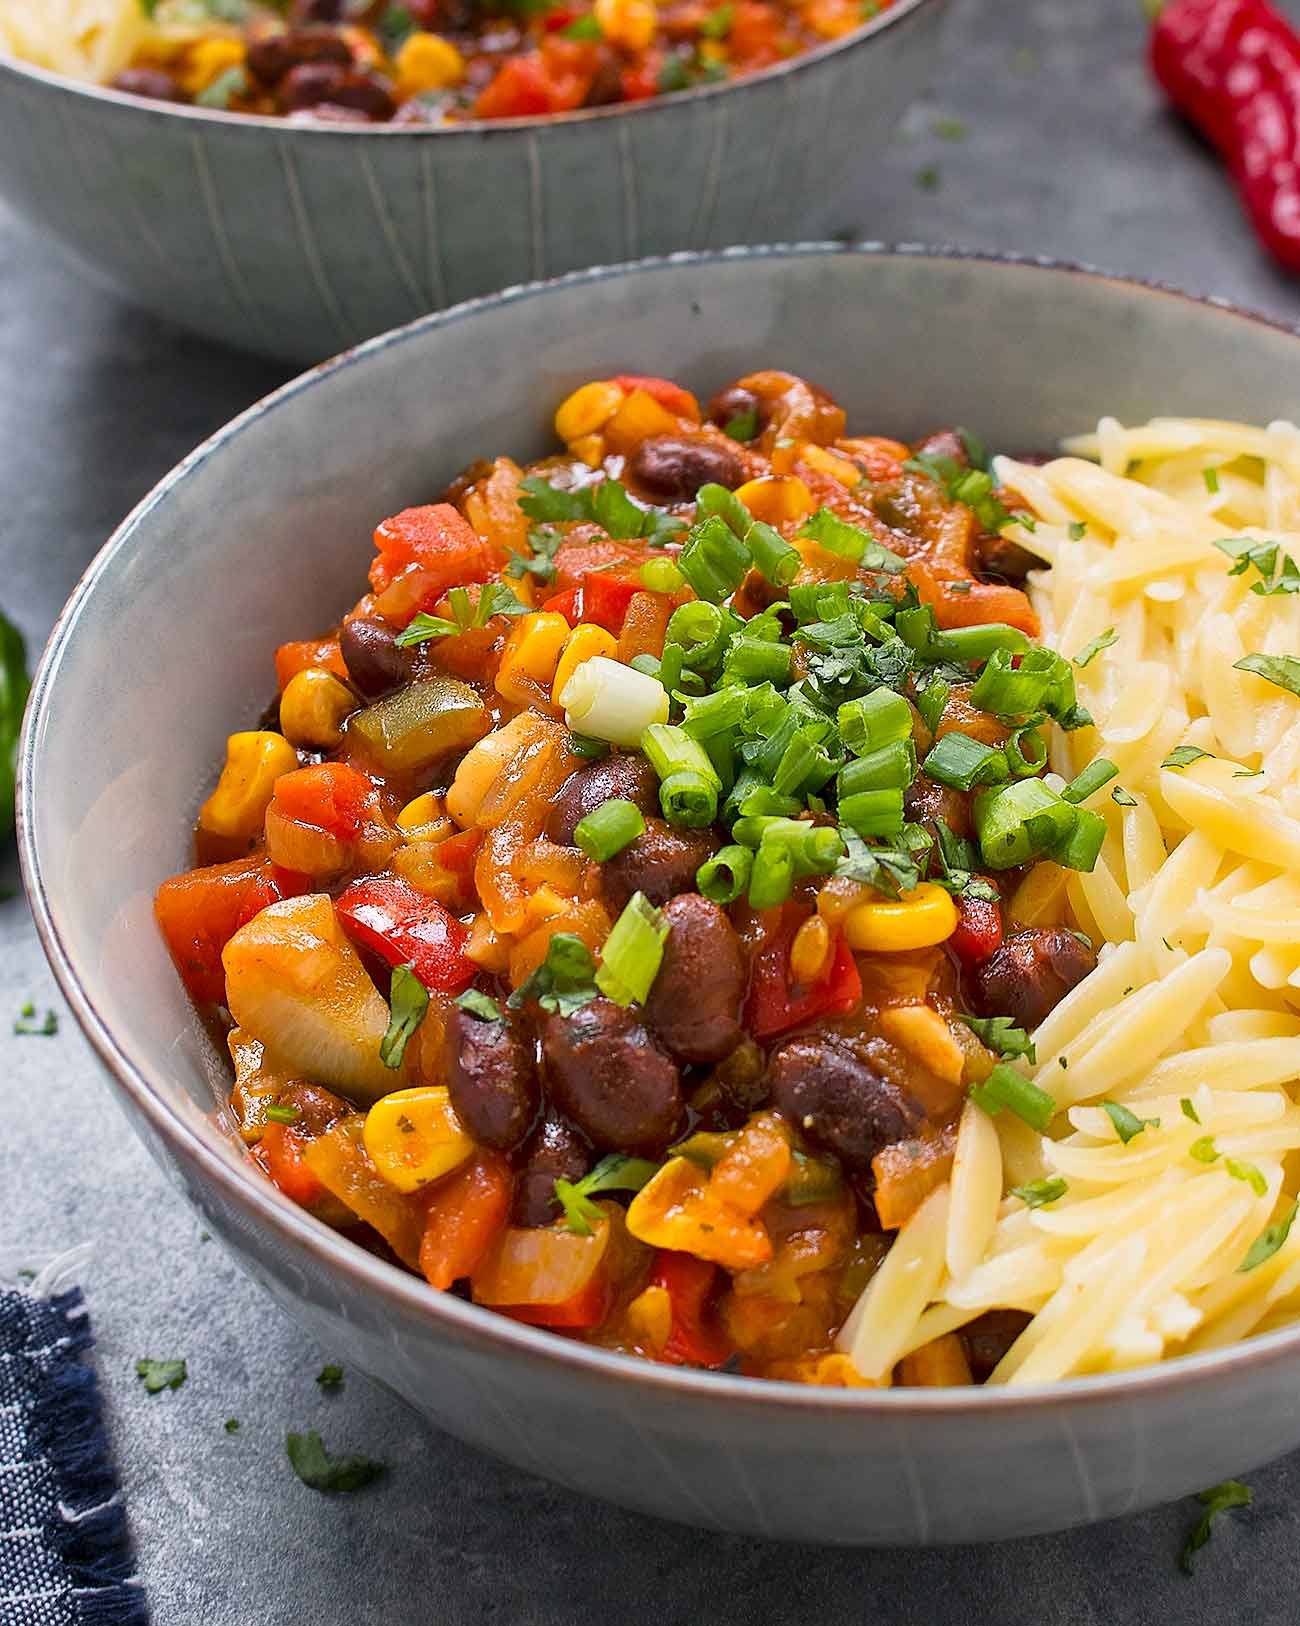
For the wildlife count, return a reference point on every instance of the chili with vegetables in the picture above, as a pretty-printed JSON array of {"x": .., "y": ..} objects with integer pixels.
[{"x": 613, "y": 914}]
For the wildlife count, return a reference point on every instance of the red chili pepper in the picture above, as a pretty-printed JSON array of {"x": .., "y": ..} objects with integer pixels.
[
  {"x": 405, "y": 927},
  {"x": 688, "y": 1281},
  {"x": 606, "y": 596},
  {"x": 979, "y": 930},
  {"x": 1232, "y": 67},
  {"x": 774, "y": 1005}
]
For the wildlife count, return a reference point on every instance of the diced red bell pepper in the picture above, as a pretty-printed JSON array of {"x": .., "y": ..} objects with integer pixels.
[
  {"x": 585, "y": 1309},
  {"x": 689, "y": 1281},
  {"x": 559, "y": 18},
  {"x": 201, "y": 911},
  {"x": 553, "y": 80},
  {"x": 466, "y": 1213},
  {"x": 437, "y": 538},
  {"x": 574, "y": 560},
  {"x": 405, "y": 927},
  {"x": 978, "y": 932},
  {"x": 606, "y": 595},
  {"x": 330, "y": 796},
  {"x": 280, "y": 1153},
  {"x": 568, "y": 604},
  {"x": 774, "y": 1005},
  {"x": 669, "y": 395}
]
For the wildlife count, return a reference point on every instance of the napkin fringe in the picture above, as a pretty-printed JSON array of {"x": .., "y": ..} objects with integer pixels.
[{"x": 89, "y": 1529}]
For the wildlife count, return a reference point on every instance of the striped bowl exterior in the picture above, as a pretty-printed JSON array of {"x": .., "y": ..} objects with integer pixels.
[{"x": 299, "y": 241}]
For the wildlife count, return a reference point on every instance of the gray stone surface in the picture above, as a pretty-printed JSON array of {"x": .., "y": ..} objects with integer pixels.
[{"x": 1066, "y": 152}]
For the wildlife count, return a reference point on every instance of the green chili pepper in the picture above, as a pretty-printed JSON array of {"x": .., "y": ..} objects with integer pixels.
[{"x": 14, "y": 688}]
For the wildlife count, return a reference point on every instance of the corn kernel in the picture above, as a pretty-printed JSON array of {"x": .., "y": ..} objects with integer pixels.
[
  {"x": 414, "y": 1137},
  {"x": 417, "y": 815},
  {"x": 427, "y": 62},
  {"x": 650, "y": 1318},
  {"x": 918, "y": 920},
  {"x": 487, "y": 947},
  {"x": 581, "y": 644},
  {"x": 777, "y": 499},
  {"x": 839, "y": 468},
  {"x": 254, "y": 761},
  {"x": 589, "y": 449},
  {"x": 532, "y": 652},
  {"x": 208, "y": 60},
  {"x": 810, "y": 953},
  {"x": 587, "y": 410},
  {"x": 314, "y": 707},
  {"x": 629, "y": 23}
]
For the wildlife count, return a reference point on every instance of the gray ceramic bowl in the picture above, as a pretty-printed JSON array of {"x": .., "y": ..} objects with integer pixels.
[
  {"x": 262, "y": 535},
  {"x": 298, "y": 240}
]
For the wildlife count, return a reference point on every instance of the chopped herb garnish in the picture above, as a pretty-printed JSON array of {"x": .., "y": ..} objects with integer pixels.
[
  {"x": 744, "y": 426},
  {"x": 1283, "y": 670},
  {"x": 614, "y": 1173},
  {"x": 408, "y": 1000},
  {"x": 330, "y": 1377},
  {"x": 479, "y": 1004},
  {"x": 1204, "y": 1150},
  {"x": 928, "y": 178},
  {"x": 1211, "y": 478},
  {"x": 1247, "y": 1172},
  {"x": 159, "y": 1375},
  {"x": 582, "y": 28},
  {"x": 1268, "y": 1241},
  {"x": 321, "y": 1472},
  {"x": 1127, "y": 1124},
  {"x": 565, "y": 980},
  {"x": 1247, "y": 551},
  {"x": 224, "y": 88},
  {"x": 468, "y": 614},
  {"x": 545, "y": 541},
  {"x": 1038, "y": 1193},
  {"x": 1123, "y": 798},
  {"x": 1078, "y": 530},
  {"x": 1232, "y": 1493},
  {"x": 1182, "y": 756},
  {"x": 1001, "y": 1034},
  {"x": 26, "y": 1027},
  {"x": 231, "y": 1425},
  {"x": 1094, "y": 647},
  {"x": 717, "y": 24},
  {"x": 279, "y": 1113},
  {"x": 606, "y": 504},
  {"x": 950, "y": 129},
  {"x": 1189, "y": 1110}
]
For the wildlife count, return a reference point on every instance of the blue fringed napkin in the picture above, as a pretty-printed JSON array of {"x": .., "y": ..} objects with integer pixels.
[{"x": 65, "y": 1554}]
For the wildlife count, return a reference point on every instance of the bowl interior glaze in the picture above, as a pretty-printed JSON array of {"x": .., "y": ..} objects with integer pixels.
[{"x": 263, "y": 535}]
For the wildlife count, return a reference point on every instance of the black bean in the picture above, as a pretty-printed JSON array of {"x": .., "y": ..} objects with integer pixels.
[
  {"x": 605, "y": 1072},
  {"x": 271, "y": 56},
  {"x": 694, "y": 1004},
  {"x": 735, "y": 402},
  {"x": 661, "y": 862},
  {"x": 847, "y": 1095},
  {"x": 375, "y": 661},
  {"x": 673, "y": 467},
  {"x": 152, "y": 83},
  {"x": 624, "y": 775},
  {"x": 1029, "y": 976},
  {"x": 554, "y": 1151},
  {"x": 492, "y": 1079}
]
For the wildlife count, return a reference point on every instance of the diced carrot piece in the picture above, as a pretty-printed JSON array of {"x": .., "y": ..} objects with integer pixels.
[
  {"x": 466, "y": 1213},
  {"x": 644, "y": 626},
  {"x": 440, "y": 540},
  {"x": 201, "y": 911},
  {"x": 331, "y": 796},
  {"x": 310, "y": 654}
]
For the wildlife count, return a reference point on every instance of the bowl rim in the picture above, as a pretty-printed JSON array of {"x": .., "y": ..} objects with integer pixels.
[
  {"x": 898, "y": 12},
  {"x": 365, "y": 1272}
]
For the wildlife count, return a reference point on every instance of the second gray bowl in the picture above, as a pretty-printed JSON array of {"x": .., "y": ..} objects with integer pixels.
[{"x": 299, "y": 240}]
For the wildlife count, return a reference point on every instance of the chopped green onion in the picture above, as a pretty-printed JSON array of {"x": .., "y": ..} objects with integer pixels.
[
  {"x": 1078, "y": 530},
  {"x": 714, "y": 499},
  {"x": 702, "y": 631},
  {"x": 1189, "y": 1110},
  {"x": 1211, "y": 478},
  {"x": 1204, "y": 1150},
  {"x": 819, "y": 601},
  {"x": 1127, "y": 1124},
  {"x": 960, "y": 762},
  {"x": 1005, "y": 1087},
  {"x": 725, "y": 876},
  {"x": 613, "y": 702},
  {"x": 278, "y": 1113},
  {"x": 892, "y": 767},
  {"x": 1020, "y": 821},
  {"x": 689, "y": 784},
  {"x": 718, "y": 713},
  {"x": 633, "y": 952},
  {"x": 875, "y": 720},
  {"x": 1082, "y": 844},
  {"x": 815, "y": 849},
  {"x": 873, "y": 812},
  {"x": 851, "y": 542},
  {"x": 1000, "y": 1034},
  {"x": 752, "y": 660},
  {"x": 771, "y": 878},
  {"x": 1007, "y": 690},
  {"x": 1123, "y": 798},
  {"x": 408, "y": 1000},
  {"x": 1098, "y": 773},
  {"x": 774, "y": 558},
  {"x": 1268, "y": 1241},
  {"x": 1026, "y": 752},
  {"x": 582, "y": 745},
  {"x": 609, "y": 828},
  {"x": 932, "y": 701},
  {"x": 661, "y": 576},
  {"x": 714, "y": 560},
  {"x": 977, "y": 643}
]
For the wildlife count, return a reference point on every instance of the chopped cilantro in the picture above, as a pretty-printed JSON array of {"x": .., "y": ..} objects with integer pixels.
[
  {"x": 1127, "y": 1124},
  {"x": 1189, "y": 1110},
  {"x": 1038, "y": 1193},
  {"x": 321, "y": 1472},
  {"x": 565, "y": 980},
  {"x": 614, "y": 1173},
  {"x": 1268, "y": 1241},
  {"x": 1094, "y": 647},
  {"x": 1232, "y": 1493},
  {"x": 1182, "y": 756},
  {"x": 1283, "y": 670},
  {"x": 159, "y": 1375},
  {"x": 480, "y": 1004},
  {"x": 1001, "y": 1034},
  {"x": 408, "y": 1000},
  {"x": 330, "y": 1376},
  {"x": 27, "y": 1027},
  {"x": 744, "y": 426},
  {"x": 279, "y": 1113},
  {"x": 231, "y": 1425}
]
